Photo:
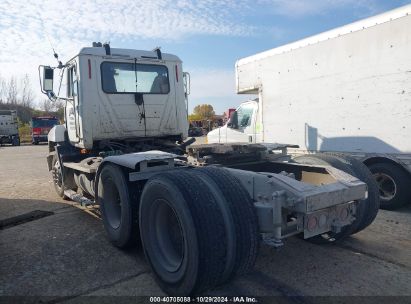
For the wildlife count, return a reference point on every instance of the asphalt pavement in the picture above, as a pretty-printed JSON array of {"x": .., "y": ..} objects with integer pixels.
[{"x": 48, "y": 247}]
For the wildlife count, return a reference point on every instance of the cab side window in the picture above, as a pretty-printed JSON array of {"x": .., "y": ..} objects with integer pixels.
[
  {"x": 71, "y": 82},
  {"x": 245, "y": 113}
]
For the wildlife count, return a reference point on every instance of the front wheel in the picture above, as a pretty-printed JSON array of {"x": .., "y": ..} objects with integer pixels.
[
  {"x": 57, "y": 176},
  {"x": 393, "y": 185}
]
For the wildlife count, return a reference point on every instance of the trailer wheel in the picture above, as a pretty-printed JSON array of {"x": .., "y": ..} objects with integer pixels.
[
  {"x": 183, "y": 233},
  {"x": 241, "y": 207},
  {"x": 372, "y": 202},
  {"x": 366, "y": 208},
  {"x": 393, "y": 185},
  {"x": 118, "y": 212}
]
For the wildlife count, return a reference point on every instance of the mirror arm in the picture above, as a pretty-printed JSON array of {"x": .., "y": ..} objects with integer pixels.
[
  {"x": 51, "y": 96},
  {"x": 40, "y": 77}
]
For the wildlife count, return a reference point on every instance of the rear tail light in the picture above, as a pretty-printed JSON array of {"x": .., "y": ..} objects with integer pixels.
[
  {"x": 344, "y": 214},
  {"x": 36, "y": 131},
  {"x": 312, "y": 223}
]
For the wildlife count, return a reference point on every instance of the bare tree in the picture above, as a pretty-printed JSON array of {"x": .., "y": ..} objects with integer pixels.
[
  {"x": 3, "y": 90},
  {"x": 12, "y": 91},
  {"x": 47, "y": 105},
  {"x": 59, "y": 104},
  {"x": 26, "y": 92}
]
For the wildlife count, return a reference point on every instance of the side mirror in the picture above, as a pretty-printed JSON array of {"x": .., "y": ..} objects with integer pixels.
[
  {"x": 187, "y": 83},
  {"x": 48, "y": 76}
]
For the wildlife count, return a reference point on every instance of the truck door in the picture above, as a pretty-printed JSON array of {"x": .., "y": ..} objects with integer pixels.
[
  {"x": 242, "y": 127},
  {"x": 72, "y": 108}
]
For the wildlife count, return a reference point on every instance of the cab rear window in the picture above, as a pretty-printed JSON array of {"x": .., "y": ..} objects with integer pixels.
[{"x": 118, "y": 78}]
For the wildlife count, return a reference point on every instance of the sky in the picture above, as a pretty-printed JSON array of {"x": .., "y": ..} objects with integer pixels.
[{"x": 208, "y": 35}]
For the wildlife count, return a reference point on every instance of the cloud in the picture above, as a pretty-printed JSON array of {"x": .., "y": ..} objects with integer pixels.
[
  {"x": 78, "y": 19},
  {"x": 298, "y": 8},
  {"x": 28, "y": 26},
  {"x": 25, "y": 25}
]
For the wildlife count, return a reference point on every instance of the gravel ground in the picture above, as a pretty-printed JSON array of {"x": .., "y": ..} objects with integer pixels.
[{"x": 67, "y": 253}]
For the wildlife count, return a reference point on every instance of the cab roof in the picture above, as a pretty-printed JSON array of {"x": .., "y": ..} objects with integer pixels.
[{"x": 129, "y": 53}]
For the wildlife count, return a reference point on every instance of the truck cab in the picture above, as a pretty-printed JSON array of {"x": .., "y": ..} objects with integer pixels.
[
  {"x": 122, "y": 94},
  {"x": 241, "y": 127}
]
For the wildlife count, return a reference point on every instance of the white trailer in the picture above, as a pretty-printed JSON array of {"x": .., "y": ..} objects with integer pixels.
[
  {"x": 9, "y": 131},
  {"x": 346, "y": 90}
]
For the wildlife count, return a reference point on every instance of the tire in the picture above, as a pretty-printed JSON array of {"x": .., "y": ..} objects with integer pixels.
[
  {"x": 393, "y": 185},
  {"x": 118, "y": 211},
  {"x": 366, "y": 208},
  {"x": 183, "y": 233},
  {"x": 56, "y": 174},
  {"x": 16, "y": 141},
  {"x": 241, "y": 207},
  {"x": 372, "y": 202}
]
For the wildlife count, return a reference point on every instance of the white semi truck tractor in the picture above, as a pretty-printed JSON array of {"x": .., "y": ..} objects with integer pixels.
[
  {"x": 199, "y": 212},
  {"x": 345, "y": 91}
]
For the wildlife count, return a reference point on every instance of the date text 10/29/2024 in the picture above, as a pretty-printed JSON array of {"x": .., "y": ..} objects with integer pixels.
[{"x": 203, "y": 300}]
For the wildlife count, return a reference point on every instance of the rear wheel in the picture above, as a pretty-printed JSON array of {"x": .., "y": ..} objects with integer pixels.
[
  {"x": 119, "y": 213},
  {"x": 366, "y": 209},
  {"x": 372, "y": 203},
  {"x": 183, "y": 232},
  {"x": 393, "y": 185},
  {"x": 241, "y": 207}
]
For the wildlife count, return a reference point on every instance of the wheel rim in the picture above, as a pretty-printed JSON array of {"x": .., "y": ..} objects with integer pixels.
[
  {"x": 112, "y": 203},
  {"x": 386, "y": 186},
  {"x": 57, "y": 176},
  {"x": 167, "y": 236}
]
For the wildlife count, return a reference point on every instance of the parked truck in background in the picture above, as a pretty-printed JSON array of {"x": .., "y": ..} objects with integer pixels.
[
  {"x": 346, "y": 91},
  {"x": 9, "y": 128},
  {"x": 123, "y": 149},
  {"x": 40, "y": 128}
]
